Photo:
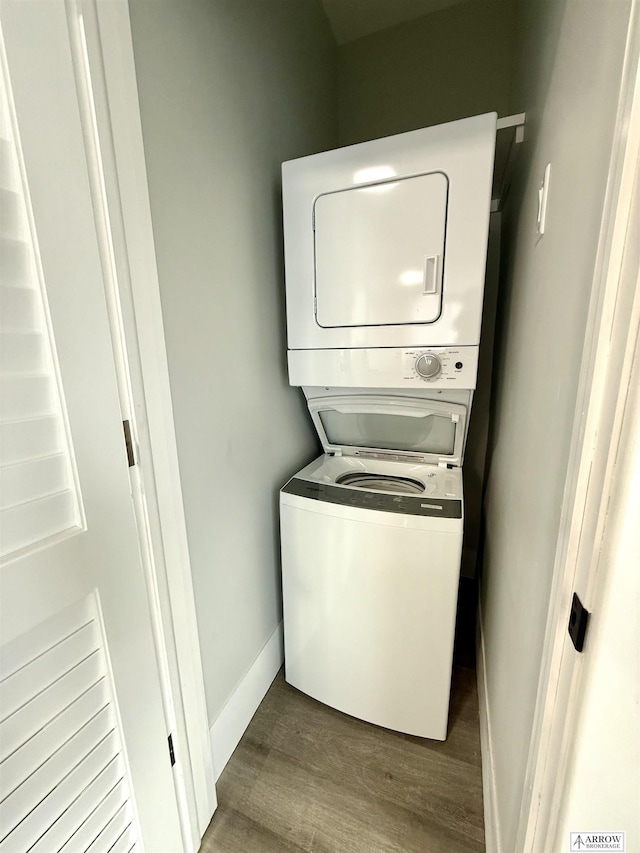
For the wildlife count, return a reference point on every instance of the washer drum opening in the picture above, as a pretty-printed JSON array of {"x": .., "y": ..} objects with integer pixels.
[{"x": 382, "y": 483}]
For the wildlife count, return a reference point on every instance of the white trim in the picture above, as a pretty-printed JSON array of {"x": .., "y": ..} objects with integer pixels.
[
  {"x": 122, "y": 155},
  {"x": 611, "y": 329},
  {"x": 493, "y": 838},
  {"x": 233, "y": 719}
]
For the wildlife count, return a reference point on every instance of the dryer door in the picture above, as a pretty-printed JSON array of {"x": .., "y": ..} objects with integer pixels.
[
  {"x": 386, "y": 241},
  {"x": 374, "y": 425},
  {"x": 379, "y": 252}
]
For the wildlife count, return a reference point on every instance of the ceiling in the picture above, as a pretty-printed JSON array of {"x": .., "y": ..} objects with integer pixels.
[{"x": 352, "y": 19}]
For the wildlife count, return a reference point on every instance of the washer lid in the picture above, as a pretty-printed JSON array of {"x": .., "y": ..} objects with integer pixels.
[{"x": 402, "y": 427}]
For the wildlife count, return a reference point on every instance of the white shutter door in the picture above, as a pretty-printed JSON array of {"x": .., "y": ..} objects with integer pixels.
[{"x": 84, "y": 760}]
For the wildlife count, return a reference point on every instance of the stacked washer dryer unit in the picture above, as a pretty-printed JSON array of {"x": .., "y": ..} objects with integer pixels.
[{"x": 385, "y": 250}]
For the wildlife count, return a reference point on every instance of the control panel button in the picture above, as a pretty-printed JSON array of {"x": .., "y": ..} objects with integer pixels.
[
  {"x": 459, "y": 365},
  {"x": 428, "y": 365}
]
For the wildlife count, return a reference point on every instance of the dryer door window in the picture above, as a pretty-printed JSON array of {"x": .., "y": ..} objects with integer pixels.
[{"x": 379, "y": 253}]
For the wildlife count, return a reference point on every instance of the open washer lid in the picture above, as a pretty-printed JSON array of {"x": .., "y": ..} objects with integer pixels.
[{"x": 376, "y": 426}]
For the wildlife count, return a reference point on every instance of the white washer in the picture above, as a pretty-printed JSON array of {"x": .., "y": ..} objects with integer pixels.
[{"x": 371, "y": 548}]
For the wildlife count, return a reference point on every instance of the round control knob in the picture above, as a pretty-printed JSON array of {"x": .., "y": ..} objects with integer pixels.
[{"x": 428, "y": 365}]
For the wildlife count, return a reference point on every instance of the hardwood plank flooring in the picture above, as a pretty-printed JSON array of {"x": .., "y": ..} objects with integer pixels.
[{"x": 307, "y": 778}]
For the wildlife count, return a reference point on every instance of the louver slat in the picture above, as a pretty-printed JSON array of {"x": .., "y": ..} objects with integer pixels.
[
  {"x": 26, "y": 397},
  {"x": 18, "y": 728},
  {"x": 21, "y": 352},
  {"x": 78, "y": 827},
  {"x": 11, "y": 219},
  {"x": 31, "y": 480},
  {"x": 45, "y": 669},
  {"x": 90, "y": 740},
  {"x": 62, "y": 793},
  {"x": 14, "y": 263},
  {"x": 28, "y": 756},
  {"x": 111, "y": 832},
  {"x": 32, "y": 439},
  {"x": 18, "y": 305},
  {"x": 41, "y": 518},
  {"x": 124, "y": 842}
]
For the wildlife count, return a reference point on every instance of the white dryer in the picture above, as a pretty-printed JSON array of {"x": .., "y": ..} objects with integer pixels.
[
  {"x": 371, "y": 538},
  {"x": 385, "y": 250}
]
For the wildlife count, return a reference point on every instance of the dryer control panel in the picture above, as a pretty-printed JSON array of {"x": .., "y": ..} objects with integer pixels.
[
  {"x": 386, "y": 367},
  {"x": 435, "y": 365}
]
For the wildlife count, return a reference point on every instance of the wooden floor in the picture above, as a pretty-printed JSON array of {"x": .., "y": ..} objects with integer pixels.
[{"x": 307, "y": 778}]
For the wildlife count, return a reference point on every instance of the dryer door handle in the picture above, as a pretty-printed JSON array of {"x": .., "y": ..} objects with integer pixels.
[{"x": 432, "y": 275}]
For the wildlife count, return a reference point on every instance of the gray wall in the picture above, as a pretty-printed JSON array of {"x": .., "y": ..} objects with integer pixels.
[
  {"x": 568, "y": 72},
  {"x": 451, "y": 64},
  {"x": 229, "y": 89}
]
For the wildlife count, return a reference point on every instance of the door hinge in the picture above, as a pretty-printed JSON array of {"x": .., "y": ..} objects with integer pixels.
[
  {"x": 128, "y": 441},
  {"x": 578, "y": 621},
  {"x": 172, "y": 754}
]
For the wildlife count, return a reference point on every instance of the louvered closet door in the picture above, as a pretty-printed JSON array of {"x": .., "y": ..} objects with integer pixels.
[{"x": 84, "y": 763}]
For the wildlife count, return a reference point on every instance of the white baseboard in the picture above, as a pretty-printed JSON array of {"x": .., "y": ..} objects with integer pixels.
[
  {"x": 493, "y": 842},
  {"x": 232, "y": 721}
]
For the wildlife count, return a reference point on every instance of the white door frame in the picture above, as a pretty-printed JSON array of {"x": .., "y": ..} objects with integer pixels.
[
  {"x": 610, "y": 341},
  {"x": 103, "y": 49}
]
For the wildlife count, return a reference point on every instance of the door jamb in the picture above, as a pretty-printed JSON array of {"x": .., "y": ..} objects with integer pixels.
[
  {"x": 139, "y": 346},
  {"x": 612, "y": 329}
]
